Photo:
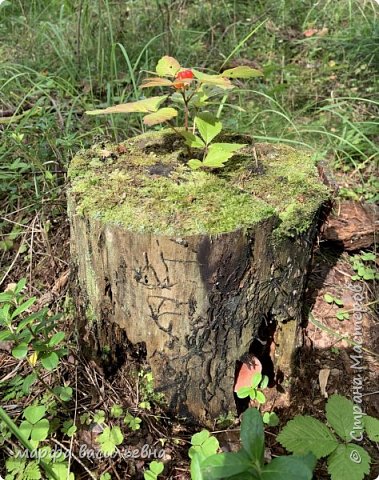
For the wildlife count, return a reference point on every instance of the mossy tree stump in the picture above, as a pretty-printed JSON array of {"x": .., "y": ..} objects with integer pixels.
[{"x": 189, "y": 266}]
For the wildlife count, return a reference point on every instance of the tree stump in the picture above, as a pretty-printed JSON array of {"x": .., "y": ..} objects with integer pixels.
[{"x": 189, "y": 268}]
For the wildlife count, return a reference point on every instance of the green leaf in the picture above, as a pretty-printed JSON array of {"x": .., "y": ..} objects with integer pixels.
[
  {"x": 28, "y": 382},
  {"x": 203, "y": 445},
  {"x": 208, "y": 125},
  {"x": 340, "y": 415},
  {"x": 242, "y": 72},
  {"x": 289, "y": 468},
  {"x": 116, "y": 411},
  {"x": 305, "y": 434},
  {"x": 217, "y": 80},
  {"x": 156, "y": 82},
  {"x": 244, "y": 392},
  {"x": 260, "y": 397},
  {"x": 195, "y": 469},
  {"x": 350, "y": 462},
  {"x": 142, "y": 106},
  {"x": 264, "y": 382},
  {"x": 105, "y": 476},
  {"x": 257, "y": 378},
  {"x": 228, "y": 148},
  {"x": 219, "y": 153},
  {"x": 368, "y": 256},
  {"x": 338, "y": 302},
  {"x": 328, "y": 298},
  {"x": 372, "y": 428},
  {"x": 34, "y": 413},
  {"x": 40, "y": 430},
  {"x": 65, "y": 393},
  {"x": 194, "y": 164},
  {"x": 252, "y": 435},
  {"x": 6, "y": 297},
  {"x": 156, "y": 467},
  {"x": 162, "y": 115},
  {"x": 50, "y": 361},
  {"x": 109, "y": 439},
  {"x": 61, "y": 470},
  {"x": 192, "y": 140},
  {"x": 271, "y": 419},
  {"x": 341, "y": 315},
  {"x": 167, "y": 66},
  {"x": 56, "y": 338},
  {"x": 20, "y": 286},
  {"x": 24, "y": 306},
  {"x": 26, "y": 429},
  {"x": 99, "y": 417},
  {"x": 32, "y": 471},
  {"x": 20, "y": 351},
  {"x": 5, "y": 335},
  {"x": 223, "y": 465}
]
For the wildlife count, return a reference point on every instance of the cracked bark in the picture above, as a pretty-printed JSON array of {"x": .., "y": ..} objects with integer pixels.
[{"x": 194, "y": 305}]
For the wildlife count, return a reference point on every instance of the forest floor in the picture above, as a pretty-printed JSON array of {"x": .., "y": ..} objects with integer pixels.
[{"x": 319, "y": 91}]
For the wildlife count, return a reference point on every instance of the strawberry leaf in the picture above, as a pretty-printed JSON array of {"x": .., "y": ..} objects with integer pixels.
[
  {"x": 349, "y": 461},
  {"x": 339, "y": 413},
  {"x": 305, "y": 434}
]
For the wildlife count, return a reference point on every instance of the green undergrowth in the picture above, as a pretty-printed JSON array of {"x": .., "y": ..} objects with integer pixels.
[{"x": 148, "y": 188}]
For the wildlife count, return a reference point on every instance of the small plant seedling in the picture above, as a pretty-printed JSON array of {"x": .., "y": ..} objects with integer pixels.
[
  {"x": 214, "y": 154},
  {"x": 146, "y": 390},
  {"x": 105, "y": 476},
  {"x": 346, "y": 459},
  {"x": 259, "y": 382},
  {"x": 271, "y": 419},
  {"x": 191, "y": 91},
  {"x": 69, "y": 428},
  {"x": 109, "y": 439},
  {"x": 134, "y": 423},
  {"x": 225, "y": 420},
  {"x": 29, "y": 333},
  {"x": 155, "y": 469},
  {"x": 331, "y": 299},
  {"x": 116, "y": 411},
  {"x": 99, "y": 417},
  {"x": 364, "y": 266},
  {"x": 247, "y": 463},
  {"x": 342, "y": 315}
]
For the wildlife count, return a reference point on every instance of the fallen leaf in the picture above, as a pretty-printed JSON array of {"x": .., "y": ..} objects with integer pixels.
[
  {"x": 323, "y": 377},
  {"x": 246, "y": 373}
]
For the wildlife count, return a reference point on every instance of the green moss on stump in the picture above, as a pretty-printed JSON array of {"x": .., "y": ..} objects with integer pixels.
[{"x": 144, "y": 185}]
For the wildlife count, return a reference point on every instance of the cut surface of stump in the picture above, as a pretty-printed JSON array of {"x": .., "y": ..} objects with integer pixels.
[{"x": 191, "y": 269}]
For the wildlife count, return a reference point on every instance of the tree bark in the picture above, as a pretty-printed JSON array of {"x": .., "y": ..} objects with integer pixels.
[{"x": 190, "y": 305}]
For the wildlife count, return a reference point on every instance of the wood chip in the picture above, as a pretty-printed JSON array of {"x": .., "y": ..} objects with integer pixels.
[{"x": 352, "y": 225}]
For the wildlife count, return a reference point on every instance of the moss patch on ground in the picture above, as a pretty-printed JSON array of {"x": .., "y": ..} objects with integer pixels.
[{"x": 144, "y": 185}]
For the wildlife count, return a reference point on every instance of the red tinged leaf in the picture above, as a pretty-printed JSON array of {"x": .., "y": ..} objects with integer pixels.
[
  {"x": 246, "y": 373},
  {"x": 186, "y": 75}
]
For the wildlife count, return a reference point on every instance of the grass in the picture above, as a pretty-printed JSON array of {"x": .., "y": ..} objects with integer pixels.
[{"x": 60, "y": 58}]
